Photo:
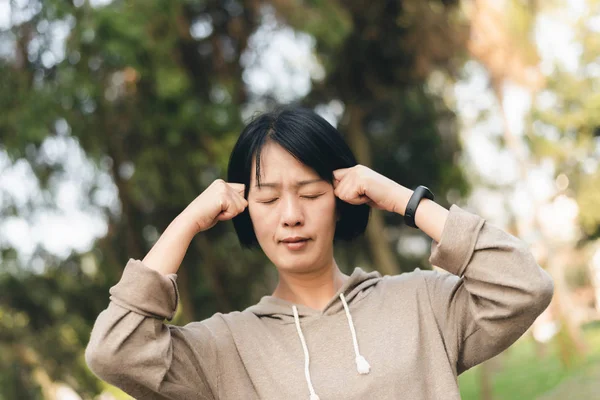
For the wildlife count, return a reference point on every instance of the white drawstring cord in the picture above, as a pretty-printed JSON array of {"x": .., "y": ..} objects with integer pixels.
[
  {"x": 362, "y": 366},
  {"x": 313, "y": 395}
]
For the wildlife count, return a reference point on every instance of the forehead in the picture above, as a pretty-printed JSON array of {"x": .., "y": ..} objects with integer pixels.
[{"x": 277, "y": 164}]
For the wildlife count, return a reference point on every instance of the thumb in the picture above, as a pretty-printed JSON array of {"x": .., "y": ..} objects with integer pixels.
[
  {"x": 338, "y": 174},
  {"x": 238, "y": 187},
  {"x": 225, "y": 215}
]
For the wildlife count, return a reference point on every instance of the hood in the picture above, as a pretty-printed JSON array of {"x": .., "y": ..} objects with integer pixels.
[
  {"x": 276, "y": 308},
  {"x": 357, "y": 286}
]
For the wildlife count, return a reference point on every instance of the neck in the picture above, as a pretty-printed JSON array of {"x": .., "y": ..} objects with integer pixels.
[{"x": 313, "y": 289}]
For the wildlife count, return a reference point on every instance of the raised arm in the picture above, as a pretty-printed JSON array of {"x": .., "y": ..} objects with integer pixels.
[
  {"x": 495, "y": 289},
  {"x": 130, "y": 346},
  {"x": 493, "y": 294}
]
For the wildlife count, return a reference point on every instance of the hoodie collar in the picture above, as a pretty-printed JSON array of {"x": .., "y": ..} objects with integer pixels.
[
  {"x": 276, "y": 308},
  {"x": 288, "y": 312}
]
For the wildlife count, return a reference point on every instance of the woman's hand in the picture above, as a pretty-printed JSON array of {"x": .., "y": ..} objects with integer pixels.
[
  {"x": 362, "y": 185},
  {"x": 220, "y": 201}
]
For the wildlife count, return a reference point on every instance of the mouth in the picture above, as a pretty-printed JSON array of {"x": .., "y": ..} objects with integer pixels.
[{"x": 295, "y": 243}]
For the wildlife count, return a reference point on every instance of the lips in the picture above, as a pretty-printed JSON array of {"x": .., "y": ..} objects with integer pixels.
[
  {"x": 295, "y": 243},
  {"x": 294, "y": 239}
]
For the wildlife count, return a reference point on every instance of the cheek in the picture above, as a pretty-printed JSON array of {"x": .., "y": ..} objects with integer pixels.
[
  {"x": 324, "y": 213},
  {"x": 261, "y": 220}
]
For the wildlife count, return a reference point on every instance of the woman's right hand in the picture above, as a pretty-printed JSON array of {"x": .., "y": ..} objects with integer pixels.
[{"x": 220, "y": 201}]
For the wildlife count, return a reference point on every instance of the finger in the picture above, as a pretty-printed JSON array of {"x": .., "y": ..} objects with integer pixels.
[
  {"x": 340, "y": 191},
  {"x": 374, "y": 205},
  {"x": 240, "y": 203},
  {"x": 339, "y": 174},
  {"x": 239, "y": 197},
  {"x": 238, "y": 187},
  {"x": 357, "y": 200},
  {"x": 231, "y": 209},
  {"x": 345, "y": 189},
  {"x": 345, "y": 195},
  {"x": 234, "y": 205},
  {"x": 225, "y": 216}
]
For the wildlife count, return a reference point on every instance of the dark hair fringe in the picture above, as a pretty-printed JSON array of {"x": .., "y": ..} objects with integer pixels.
[{"x": 311, "y": 140}]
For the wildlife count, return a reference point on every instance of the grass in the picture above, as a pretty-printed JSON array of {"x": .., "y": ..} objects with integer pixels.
[{"x": 520, "y": 374}]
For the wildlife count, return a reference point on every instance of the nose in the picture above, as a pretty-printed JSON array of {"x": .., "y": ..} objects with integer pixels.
[{"x": 291, "y": 213}]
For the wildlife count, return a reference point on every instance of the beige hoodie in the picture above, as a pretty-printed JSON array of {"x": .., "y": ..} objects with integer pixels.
[{"x": 400, "y": 337}]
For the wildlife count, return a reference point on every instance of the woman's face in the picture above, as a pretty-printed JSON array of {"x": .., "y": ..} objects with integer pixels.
[{"x": 292, "y": 203}]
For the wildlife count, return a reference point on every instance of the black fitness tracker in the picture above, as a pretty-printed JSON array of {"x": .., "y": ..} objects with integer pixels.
[{"x": 411, "y": 208}]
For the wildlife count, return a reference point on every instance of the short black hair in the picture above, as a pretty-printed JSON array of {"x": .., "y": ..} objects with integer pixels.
[{"x": 311, "y": 140}]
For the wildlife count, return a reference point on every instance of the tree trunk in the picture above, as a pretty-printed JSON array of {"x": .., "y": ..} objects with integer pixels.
[
  {"x": 380, "y": 249},
  {"x": 30, "y": 357},
  {"x": 485, "y": 376},
  {"x": 211, "y": 273},
  {"x": 183, "y": 284},
  {"x": 570, "y": 339}
]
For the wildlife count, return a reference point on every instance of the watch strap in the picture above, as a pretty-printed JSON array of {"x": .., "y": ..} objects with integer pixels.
[{"x": 411, "y": 208}]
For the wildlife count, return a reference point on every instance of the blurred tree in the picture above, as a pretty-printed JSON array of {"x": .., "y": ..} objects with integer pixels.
[
  {"x": 496, "y": 41},
  {"x": 566, "y": 123},
  {"x": 502, "y": 40},
  {"x": 565, "y": 128},
  {"x": 153, "y": 92},
  {"x": 378, "y": 68}
]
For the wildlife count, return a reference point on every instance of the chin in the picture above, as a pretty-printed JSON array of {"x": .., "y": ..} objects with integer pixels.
[{"x": 299, "y": 263}]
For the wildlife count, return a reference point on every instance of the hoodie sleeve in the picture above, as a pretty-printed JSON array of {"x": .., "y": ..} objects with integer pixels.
[
  {"x": 130, "y": 347},
  {"x": 493, "y": 294}
]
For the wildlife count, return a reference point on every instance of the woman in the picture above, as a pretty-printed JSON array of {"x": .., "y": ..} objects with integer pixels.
[{"x": 294, "y": 188}]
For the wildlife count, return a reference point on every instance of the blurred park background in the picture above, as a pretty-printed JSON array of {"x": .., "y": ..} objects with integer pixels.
[{"x": 114, "y": 115}]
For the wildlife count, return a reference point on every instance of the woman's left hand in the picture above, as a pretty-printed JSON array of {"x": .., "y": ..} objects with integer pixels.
[{"x": 362, "y": 185}]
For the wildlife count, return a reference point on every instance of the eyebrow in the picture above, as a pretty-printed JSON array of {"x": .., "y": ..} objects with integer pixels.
[{"x": 297, "y": 184}]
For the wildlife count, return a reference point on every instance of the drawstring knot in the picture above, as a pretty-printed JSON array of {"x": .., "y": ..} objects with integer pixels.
[{"x": 362, "y": 366}]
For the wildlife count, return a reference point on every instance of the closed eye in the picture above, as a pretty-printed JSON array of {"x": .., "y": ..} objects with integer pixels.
[
  {"x": 268, "y": 201},
  {"x": 311, "y": 197}
]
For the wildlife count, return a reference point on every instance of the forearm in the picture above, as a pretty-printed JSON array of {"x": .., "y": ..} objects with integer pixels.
[
  {"x": 167, "y": 253},
  {"x": 132, "y": 348},
  {"x": 430, "y": 216},
  {"x": 503, "y": 290}
]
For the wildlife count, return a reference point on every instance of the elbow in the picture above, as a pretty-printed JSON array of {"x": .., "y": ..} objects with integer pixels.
[
  {"x": 129, "y": 362},
  {"x": 99, "y": 362},
  {"x": 537, "y": 284},
  {"x": 104, "y": 360},
  {"x": 538, "y": 291},
  {"x": 544, "y": 291}
]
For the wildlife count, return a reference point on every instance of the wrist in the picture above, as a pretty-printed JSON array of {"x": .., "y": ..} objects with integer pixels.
[
  {"x": 402, "y": 196},
  {"x": 184, "y": 226}
]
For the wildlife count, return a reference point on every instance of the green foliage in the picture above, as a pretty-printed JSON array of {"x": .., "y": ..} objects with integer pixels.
[
  {"x": 565, "y": 121},
  {"x": 588, "y": 198},
  {"x": 520, "y": 21},
  {"x": 138, "y": 93},
  {"x": 523, "y": 374}
]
